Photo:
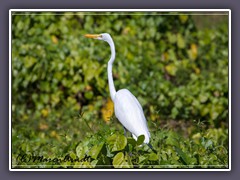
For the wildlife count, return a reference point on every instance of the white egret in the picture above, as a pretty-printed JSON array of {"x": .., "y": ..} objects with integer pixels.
[{"x": 126, "y": 106}]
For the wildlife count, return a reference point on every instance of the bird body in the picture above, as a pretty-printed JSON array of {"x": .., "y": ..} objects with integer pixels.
[
  {"x": 129, "y": 112},
  {"x": 126, "y": 106}
]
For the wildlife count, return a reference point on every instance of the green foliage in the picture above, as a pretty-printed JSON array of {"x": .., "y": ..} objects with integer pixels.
[
  {"x": 184, "y": 69},
  {"x": 59, "y": 86},
  {"x": 117, "y": 142},
  {"x": 202, "y": 150}
]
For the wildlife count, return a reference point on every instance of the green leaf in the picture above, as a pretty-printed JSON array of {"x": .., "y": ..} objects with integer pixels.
[
  {"x": 183, "y": 18},
  {"x": 94, "y": 163},
  {"x": 171, "y": 37},
  {"x": 174, "y": 112},
  {"x": 131, "y": 141},
  {"x": 126, "y": 165},
  {"x": 153, "y": 157},
  {"x": 178, "y": 103},
  {"x": 171, "y": 69},
  {"x": 203, "y": 98},
  {"x": 88, "y": 95},
  {"x": 95, "y": 150},
  {"x": 172, "y": 139},
  {"x": 118, "y": 160},
  {"x": 81, "y": 150},
  {"x": 117, "y": 142},
  {"x": 58, "y": 75},
  {"x": 30, "y": 61},
  {"x": 141, "y": 159},
  {"x": 180, "y": 41},
  {"x": 140, "y": 139},
  {"x": 182, "y": 155},
  {"x": 45, "y": 86}
]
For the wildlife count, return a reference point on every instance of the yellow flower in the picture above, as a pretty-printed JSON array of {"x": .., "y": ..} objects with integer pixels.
[{"x": 107, "y": 110}]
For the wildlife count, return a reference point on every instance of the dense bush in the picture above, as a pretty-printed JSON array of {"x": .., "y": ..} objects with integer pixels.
[
  {"x": 102, "y": 150},
  {"x": 176, "y": 71}
]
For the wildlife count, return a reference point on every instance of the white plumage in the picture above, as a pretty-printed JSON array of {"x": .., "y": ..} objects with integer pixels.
[
  {"x": 129, "y": 112},
  {"x": 127, "y": 108}
]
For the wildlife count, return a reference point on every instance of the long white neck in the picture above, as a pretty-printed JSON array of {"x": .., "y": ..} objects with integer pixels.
[{"x": 110, "y": 76}]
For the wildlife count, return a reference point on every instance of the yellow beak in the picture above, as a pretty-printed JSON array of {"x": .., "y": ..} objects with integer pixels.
[{"x": 92, "y": 35}]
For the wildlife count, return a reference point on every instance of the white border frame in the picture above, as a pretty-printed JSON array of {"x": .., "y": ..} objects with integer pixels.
[{"x": 118, "y": 10}]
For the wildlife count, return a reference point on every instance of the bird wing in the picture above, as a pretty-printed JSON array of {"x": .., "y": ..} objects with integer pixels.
[{"x": 129, "y": 112}]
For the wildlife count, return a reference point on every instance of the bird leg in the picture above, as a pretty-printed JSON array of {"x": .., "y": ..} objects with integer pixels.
[{"x": 150, "y": 146}]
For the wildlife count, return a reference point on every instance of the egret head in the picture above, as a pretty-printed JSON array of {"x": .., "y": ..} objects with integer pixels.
[{"x": 103, "y": 36}]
